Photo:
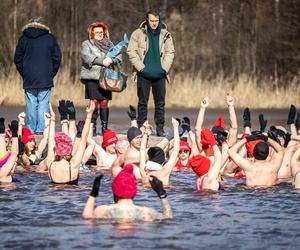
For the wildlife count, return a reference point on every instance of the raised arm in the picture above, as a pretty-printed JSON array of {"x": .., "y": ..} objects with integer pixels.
[
  {"x": 147, "y": 132},
  {"x": 233, "y": 121},
  {"x": 157, "y": 186},
  {"x": 44, "y": 140},
  {"x": 51, "y": 142},
  {"x": 295, "y": 162},
  {"x": 277, "y": 158},
  {"x": 76, "y": 159},
  {"x": 199, "y": 122},
  {"x": 291, "y": 123}
]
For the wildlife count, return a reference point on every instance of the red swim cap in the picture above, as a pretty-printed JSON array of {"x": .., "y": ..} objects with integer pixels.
[{"x": 200, "y": 164}]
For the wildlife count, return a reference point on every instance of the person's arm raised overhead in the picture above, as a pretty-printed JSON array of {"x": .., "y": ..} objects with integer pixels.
[
  {"x": 278, "y": 156},
  {"x": 147, "y": 132},
  {"x": 297, "y": 123},
  {"x": 51, "y": 142},
  {"x": 247, "y": 120},
  {"x": 76, "y": 159},
  {"x": 232, "y": 138},
  {"x": 21, "y": 118},
  {"x": 158, "y": 187},
  {"x": 262, "y": 122},
  {"x": 88, "y": 211},
  {"x": 199, "y": 122},
  {"x": 291, "y": 122}
]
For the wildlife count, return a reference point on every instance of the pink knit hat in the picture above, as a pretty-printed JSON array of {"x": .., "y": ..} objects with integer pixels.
[
  {"x": 124, "y": 185},
  {"x": 63, "y": 144}
]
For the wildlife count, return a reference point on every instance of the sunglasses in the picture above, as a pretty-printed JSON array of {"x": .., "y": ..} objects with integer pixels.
[{"x": 183, "y": 151}]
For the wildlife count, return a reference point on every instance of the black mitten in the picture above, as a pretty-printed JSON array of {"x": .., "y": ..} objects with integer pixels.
[
  {"x": 13, "y": 126},
  {"x": 186, "y": 123},
  {"x": 2, "y": 125},
  {"x": 298, "y": 121},
  {"x": 247, "y": 118},
  {"x": 71, "y": 110},
  {"x": 262, "y": 122},
  {"x": 63, "y": 111},
  {"x": 292, "y": 115},
  {"x": 79, "y": 128},
  {"x": 158, "y": 187},
  {"x": 131, "y": 113},
  {"x": 96, "y": 186},
  {"x": 256, "y": 137}
]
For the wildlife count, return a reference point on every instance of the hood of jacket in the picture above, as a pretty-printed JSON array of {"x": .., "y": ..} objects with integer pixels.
[{"x": 34, "y": 30}]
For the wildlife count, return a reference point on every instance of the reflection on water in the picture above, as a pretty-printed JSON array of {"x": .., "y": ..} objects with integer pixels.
[{"x": 43, "y": 215}]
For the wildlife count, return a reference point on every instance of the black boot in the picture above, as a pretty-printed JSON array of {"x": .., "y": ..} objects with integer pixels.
[
  {"x": 160, "y": 130},
  {"x": 94, "y": 121},
  {"x": 104, "y": 113}
]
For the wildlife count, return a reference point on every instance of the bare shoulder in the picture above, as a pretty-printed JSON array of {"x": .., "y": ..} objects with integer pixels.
[{"x": 101, "y": 212}]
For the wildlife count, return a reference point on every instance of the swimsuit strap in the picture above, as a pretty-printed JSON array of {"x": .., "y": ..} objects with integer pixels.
[
  {"x": 70, "y": 171},
  {"x": 294, "y": 181}
]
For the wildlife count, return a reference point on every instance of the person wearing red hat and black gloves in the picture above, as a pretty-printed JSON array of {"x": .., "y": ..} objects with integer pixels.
[
  {"x": 208, "y": 177},
  {"x": 31, "y": 154},
  {"x": 124, "y": 188},
  {"x": 105, "y": 155},
  {"x": 263, "y": 170},
  {"x": 63, "y": 167},
  {"x": 8, "y": 158}
]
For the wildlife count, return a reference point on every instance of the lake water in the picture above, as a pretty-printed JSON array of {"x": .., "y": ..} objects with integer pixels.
[{"x": 35, "y": 214}]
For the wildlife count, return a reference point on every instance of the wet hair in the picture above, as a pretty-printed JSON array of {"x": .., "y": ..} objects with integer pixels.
[
  {"x": 59, "y": 158},
  {"x": 261, "y": 151}
]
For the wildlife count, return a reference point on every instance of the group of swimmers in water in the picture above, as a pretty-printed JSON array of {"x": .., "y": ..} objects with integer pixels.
[{"x": 263, "y": 158}]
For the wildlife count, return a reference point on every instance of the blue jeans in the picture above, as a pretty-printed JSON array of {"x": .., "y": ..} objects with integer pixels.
[{"x": 37, "y": 102}]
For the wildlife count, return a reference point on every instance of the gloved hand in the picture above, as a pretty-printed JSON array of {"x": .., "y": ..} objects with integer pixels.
[
  {"x": 170, "y": 134},
  {"x": 207, "y": 137},
  {"x": 262, "y": 122},
  {"x": 292, "y": 115},
  {"x": 287, "y": 139},
  {"x": 71, "y": 110},
  {"x": 13, "y": 126},
  {"x": 131, "y": 113},
  {"x": 221, "y": 137},
  {"x": 247, "y": 118},
  {"x": 158, "y": 187},
  {"x": 298, "y": 121},
  {"x": 272, "y": 133},
  {"x": 257, "y": 137},
  {"x": 79, "y": 128},
  {"x": 2, "y": 125},
  {"x": 21, "y": 146},
  {"x": 63, "y": 110},
  {"x": 96, "y": 186},
  {"x": 186, "y": 123}
]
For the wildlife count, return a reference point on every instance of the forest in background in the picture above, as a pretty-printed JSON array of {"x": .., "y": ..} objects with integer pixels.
[{"x": 216, "y": 41}]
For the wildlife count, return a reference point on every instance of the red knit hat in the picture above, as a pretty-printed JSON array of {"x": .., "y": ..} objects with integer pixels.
[
  {"x": 200, "y": 164},
  {"x": 124, "y": 185},
  {"x": 184, "y": 146},
  {"x": 250, "y": 145},
  {"x": 63, "y": 144},
  {"x": 27, "y": 135},
  {"x": 109, "y": 137},
  {"x": 220, "y": 122}
]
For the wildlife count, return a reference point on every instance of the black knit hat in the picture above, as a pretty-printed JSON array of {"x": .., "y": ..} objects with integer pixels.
[
  {"x": 133, "y": 132},
  {"x": 156, "y": 154},
  {"x": 261, "y": 151}
]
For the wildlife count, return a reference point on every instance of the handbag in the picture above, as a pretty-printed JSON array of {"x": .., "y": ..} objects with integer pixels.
[{"x": 112, "y": 80}]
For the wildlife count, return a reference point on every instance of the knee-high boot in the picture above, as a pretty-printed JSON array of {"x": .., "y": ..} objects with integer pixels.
[
  {"x": 94, "y": 121},
  {"x": 104, "y": 113}
]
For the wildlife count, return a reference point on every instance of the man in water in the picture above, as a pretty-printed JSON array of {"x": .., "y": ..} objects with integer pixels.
[
  {"x": 263, "y": 170},
  {"x": 124, "y": 188}
]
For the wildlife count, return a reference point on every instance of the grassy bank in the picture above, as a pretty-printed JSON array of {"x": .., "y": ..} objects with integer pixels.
[{"x": 184, "y": 91}]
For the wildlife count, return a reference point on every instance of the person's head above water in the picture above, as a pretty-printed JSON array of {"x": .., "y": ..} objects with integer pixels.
[
  {"x": 124, "y": 185},
  {"x": 134, "y": 136},
  {"x": 261, "y": 151},
  {"x": 63, "y": 144}
]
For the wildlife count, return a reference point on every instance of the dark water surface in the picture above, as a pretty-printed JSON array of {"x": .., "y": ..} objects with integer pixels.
[{"x": 35, "y": 214}]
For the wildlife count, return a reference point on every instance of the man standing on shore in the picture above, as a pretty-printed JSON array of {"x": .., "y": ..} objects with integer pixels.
[
  {"x": 37, "y": 59},
  {"x": 151, "y": 52}
]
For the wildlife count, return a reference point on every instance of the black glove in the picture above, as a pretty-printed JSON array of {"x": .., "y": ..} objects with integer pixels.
[
  {"x": 272, "y": 133},
  {"x": 287, "y": 139},
  {"x": 79, "y": 128},
  {"x": 186, "y": 123},
  {"x": 247, "y": 118},
  {"x": 292, "y": 115},
  {"x": 2, "y": 125},
  {"x": 257, "y": 137},
  {"x": 13, "y": 126},
  {"x": 221, "y": 137},
  {"x": 96, "y": 186},
  {"x": 71, "y": 110},
  {"x": 262, "y": 122},
  {"x": 131, "y": 113},
  {"x": 63, "y": 110},
  {"x": 158, "y": 187},
  {"x": 21, "y": 146},
  {"x": 298, "y": 121}
]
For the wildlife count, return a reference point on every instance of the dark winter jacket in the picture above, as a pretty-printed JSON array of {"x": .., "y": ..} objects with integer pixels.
[{"x": 37, "y": 56}]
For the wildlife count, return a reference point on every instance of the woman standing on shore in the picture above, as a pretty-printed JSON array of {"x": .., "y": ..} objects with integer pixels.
[{"x": 93, "y": 55}]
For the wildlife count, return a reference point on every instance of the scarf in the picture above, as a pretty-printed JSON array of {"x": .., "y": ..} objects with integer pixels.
[{"x": 104, "y": 45}]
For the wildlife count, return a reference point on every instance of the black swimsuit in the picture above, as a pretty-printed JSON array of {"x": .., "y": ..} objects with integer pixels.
[{"x": 74, "y": 182}]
